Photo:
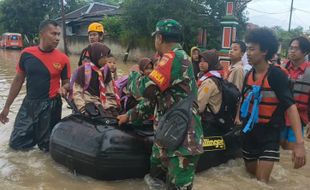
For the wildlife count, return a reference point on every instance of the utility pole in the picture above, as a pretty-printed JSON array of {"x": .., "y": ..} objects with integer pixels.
[
  {"x": 64, "y": 27},
  {"x": 291, "y": 12}
]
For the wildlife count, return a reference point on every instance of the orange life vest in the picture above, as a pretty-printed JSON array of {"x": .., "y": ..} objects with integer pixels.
[
  {"x": 269, "y": 101},
  {"x": 301, "y": 88}
]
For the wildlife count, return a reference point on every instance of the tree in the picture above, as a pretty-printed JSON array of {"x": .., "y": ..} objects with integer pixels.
[
  {"x": 285, "y": 37},
  {"x": 69, "y": 6},
  {"x": 112, "y": 26},
  {"x": 25, "y": 16},
  {"x": 22, "y": 16},
  {"x": 140, "y": 17},
  {"x": 213, "y": 11}
]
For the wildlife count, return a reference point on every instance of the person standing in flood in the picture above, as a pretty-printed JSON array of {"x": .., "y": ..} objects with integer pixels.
[
  {"x": 266, "y": 96},
  {"x": 171, "y": 81},
  {"x": 299, "y": 74},
  {"x": 44, "y": 67}
]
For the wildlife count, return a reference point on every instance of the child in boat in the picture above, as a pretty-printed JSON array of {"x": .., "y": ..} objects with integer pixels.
[
  {"x": 130, "y": 94},
  {"x": 111, "y": 61},
  {"x": 209, "y": 94},
  {"x": 92, "y": 84}
]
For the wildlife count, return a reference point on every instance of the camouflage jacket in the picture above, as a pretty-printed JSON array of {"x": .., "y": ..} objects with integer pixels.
[
  {"x": 170, "y": 81},
  {"x": 134, "y": 80}
]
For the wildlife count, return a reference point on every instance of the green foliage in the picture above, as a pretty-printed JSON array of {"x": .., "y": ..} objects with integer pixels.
[
  {"x": 140, "y": 17},
  {"x": 54, "y": 6},
  {"x": 214, "y": 11},
  {"x": 112, "y": 26},
  {"x": 285, "y": 36},
  {"x": 24, "y": 16}
]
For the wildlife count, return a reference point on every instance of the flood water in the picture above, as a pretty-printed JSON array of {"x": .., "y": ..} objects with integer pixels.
[{"x": 34, "y": 170}]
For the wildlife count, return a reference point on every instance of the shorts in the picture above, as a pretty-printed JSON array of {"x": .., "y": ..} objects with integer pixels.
[
  {"x": 261, "y": 143},
  {"x": 34, "y": 123},
  {"x": 288, "y": 134}
]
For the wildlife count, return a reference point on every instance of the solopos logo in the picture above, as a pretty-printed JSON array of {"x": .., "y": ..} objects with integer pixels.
[{"x": 214, "y": 143}]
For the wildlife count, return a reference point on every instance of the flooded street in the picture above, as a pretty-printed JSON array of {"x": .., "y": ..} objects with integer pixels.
[{"x": 36, "y": 170}]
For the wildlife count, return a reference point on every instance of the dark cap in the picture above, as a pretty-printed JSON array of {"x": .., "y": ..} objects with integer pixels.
[{"x": 168, "y": 26}]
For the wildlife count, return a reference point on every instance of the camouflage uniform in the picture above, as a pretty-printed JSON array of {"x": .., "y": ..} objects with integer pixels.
[
  {"x": 171, "y": 81},
  {"x": 134, "y": 79}
]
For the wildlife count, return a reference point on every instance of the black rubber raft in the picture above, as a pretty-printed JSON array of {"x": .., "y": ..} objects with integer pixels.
[{"x": 96, "y": 148}]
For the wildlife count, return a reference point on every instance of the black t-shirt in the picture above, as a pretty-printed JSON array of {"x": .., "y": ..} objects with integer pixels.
[{"x": 279, "y": 83}]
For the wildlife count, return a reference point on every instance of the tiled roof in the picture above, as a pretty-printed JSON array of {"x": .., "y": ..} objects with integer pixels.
[{"x": 92, "y": 10}]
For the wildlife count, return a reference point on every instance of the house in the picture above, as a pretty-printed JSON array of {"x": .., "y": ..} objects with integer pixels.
[{"x": 77, "y": 21}]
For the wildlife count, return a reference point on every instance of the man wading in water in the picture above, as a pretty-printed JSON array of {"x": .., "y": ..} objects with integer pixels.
[
  {"x": 44, "y": 67},
  {"x": 171, "y": 81}
]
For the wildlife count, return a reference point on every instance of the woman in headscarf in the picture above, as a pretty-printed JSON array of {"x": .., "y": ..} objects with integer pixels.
[
  {"x": 209, "y": 93},
  {"x": 92, "y": 83}
]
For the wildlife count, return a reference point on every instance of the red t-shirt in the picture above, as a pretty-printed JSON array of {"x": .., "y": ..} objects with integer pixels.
[{"x": 44, "y": 71}]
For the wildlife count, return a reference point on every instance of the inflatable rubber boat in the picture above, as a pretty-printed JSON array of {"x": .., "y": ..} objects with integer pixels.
[{"x": 96, "y": 148}]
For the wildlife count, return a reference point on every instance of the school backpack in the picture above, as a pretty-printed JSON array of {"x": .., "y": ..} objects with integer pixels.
[{"x": 231, "y": 95}]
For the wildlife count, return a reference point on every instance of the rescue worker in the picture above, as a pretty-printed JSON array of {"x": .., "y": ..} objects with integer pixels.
[
  {"x": 130, "y": 94},
  {"x": 92, "y": 83},
  {"x": 195, "y": 52},
  {"x": 95, "y": 34},
  {"x": 266, "y": 96},
  {"x": 299, "y": 75},
  {"x": 44, "y": 67},
  {"x": 170, "y": 82}
]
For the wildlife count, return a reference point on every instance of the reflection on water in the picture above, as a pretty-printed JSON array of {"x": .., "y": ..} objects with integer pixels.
[{"x": 36, "y": 170}]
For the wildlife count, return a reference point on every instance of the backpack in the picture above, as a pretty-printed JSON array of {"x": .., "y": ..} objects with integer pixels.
[
  {"x": 173, "y": 125},
  {"x": 231, "y": 95}
]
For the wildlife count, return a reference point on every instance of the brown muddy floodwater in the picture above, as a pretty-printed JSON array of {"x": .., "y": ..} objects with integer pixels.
[{"x": 35, "y": 170}]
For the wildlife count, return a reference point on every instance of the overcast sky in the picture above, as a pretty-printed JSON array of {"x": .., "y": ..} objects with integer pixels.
[{"x": 276, "y": 12}]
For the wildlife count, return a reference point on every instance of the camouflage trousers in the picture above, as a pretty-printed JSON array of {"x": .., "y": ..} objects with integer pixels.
[{"x": 177, "y": 171}]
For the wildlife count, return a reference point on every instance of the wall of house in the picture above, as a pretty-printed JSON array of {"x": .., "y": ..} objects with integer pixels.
[{"x": 77, "y": 43}]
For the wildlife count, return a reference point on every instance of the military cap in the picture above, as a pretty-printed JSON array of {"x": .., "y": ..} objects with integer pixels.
[{"x": 168, "y": 27}]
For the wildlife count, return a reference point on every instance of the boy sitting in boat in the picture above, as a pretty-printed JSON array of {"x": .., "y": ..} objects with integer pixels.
[{"x": 92, "y": 84}]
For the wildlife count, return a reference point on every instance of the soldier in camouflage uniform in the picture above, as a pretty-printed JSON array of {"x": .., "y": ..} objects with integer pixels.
[{"x": 170, "y": 81}]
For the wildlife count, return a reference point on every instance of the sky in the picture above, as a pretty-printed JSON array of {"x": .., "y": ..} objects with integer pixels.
[{"x": 276, "y": 13}]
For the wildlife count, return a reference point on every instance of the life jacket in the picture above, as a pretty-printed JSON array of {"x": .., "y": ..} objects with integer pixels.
[
  {"x": 259, "y": 100},
  {"x": 101, "y": 72},
  {"x": 301, "y": 88}
]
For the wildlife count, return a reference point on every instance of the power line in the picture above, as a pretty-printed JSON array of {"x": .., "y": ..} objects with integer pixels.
[
  {"x": 259, "y": 11},
  {"x": 302, "y": 10}
]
